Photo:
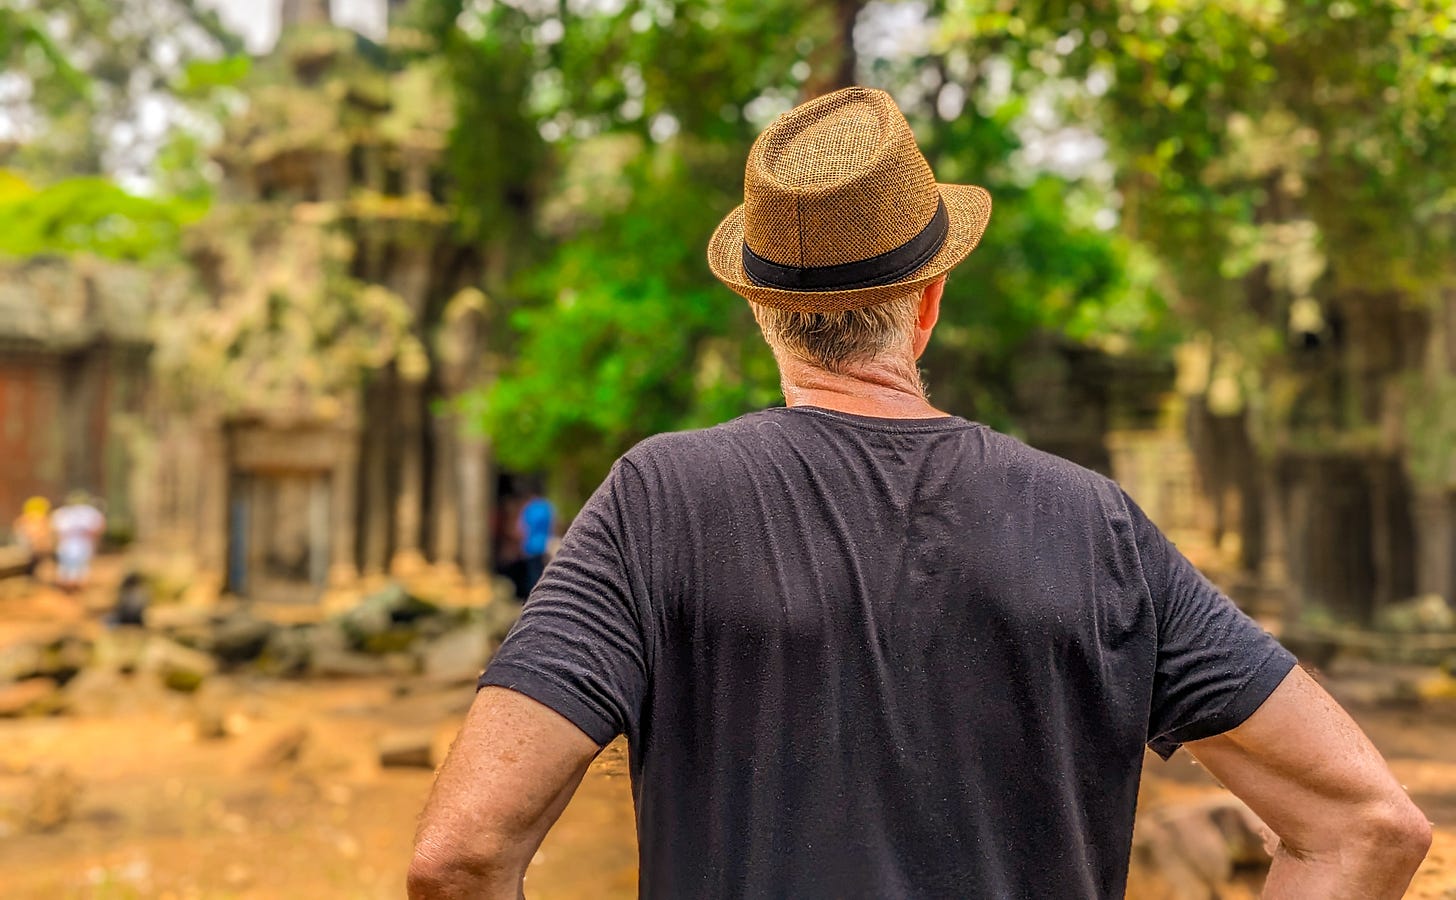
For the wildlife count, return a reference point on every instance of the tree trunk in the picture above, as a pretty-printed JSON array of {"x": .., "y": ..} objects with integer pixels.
[
  {"x": 1252, "y": 508},
  {"x": 1433, "y": 508},
  {"x": 212, "y": 506},
  {"x": 375, "y": 511},
  {"x": 409, "y": 497},
  {"x": 409, "y": 277},
  {"x": 473, "y": 467},
  {"x": 1435, "y": 544},
  {"x": 446, "y": 502},
  {"x": 1331, "y": 553},
  {"x": 343, "y": 496},
  {"x": 835, "y": 66},
  {"x": 1293, "y": 506},
  {"x": 1382, "y": 530},
  {"x": 1273, "y": 574}
]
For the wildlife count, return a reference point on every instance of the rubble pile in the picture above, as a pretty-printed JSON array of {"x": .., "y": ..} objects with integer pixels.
[
  {"x": 388, "y": 633},
  {"x": 1197, "y": 850}
]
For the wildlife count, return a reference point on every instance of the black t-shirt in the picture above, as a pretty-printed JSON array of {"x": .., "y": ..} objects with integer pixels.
[{"x": 862, "y": 657}]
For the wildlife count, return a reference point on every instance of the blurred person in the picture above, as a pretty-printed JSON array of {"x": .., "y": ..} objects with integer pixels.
[
  {"x": 78, "y": 526},
  {"x": 132, "y": 599},
  {"x": 507, "y": 546},
  {"x": 534, "y": 527},
  {"x": 33, "y": 530},
  {"x": 864, "y": 648}
]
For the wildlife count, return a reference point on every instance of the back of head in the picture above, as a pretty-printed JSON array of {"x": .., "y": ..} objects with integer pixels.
[
  {"x": 839, "y": 341},
  {"x": 842, "y": 228}
]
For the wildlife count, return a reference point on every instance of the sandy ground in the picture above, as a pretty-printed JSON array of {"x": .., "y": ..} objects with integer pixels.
[
  {"x": 159, "y": 811},
  {"x": 255, "y": 788}
]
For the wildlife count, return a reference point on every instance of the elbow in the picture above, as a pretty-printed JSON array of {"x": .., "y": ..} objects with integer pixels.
[
  {"x": 427, "y": 878},
  {"x": 443, "y": 872},
  {"x": 1397, "y": 831}
]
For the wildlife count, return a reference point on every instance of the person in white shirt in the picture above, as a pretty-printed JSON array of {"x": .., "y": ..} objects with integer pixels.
[{"x": 78, "y": 527}]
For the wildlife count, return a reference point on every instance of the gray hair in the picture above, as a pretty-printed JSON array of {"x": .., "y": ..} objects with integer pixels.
[{"x": 836, "y": 341}]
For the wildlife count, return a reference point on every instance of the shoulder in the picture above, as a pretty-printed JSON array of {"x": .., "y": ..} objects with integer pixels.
[
  {"x": 734, "y": 448},
  {"x": 702, "y": 446},
  {"x": 1051, "y": 478}
]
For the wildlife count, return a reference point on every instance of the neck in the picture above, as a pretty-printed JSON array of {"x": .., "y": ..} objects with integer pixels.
[{"x": 882, "y": 388}]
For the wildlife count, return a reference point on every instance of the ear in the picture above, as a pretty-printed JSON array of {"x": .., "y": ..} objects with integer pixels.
[{"x": 929, "y": 313}]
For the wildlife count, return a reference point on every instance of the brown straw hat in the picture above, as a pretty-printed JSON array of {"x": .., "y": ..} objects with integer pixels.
[{"x": 841, "y": 210}]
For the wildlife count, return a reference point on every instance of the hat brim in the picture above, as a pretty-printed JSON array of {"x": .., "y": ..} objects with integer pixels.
[{"x": 969, "y": 209}]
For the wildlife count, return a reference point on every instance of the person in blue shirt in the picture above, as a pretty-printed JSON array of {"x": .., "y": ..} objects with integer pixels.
[{"x": 533, "y": 527}]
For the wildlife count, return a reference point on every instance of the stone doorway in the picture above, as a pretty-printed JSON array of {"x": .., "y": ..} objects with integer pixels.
[
  {"x": 280, "y": 536},
  {"x": 290, "y": 508}
]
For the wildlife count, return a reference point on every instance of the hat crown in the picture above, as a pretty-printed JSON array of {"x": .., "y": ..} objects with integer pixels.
[{"x": 837, "y": 180}]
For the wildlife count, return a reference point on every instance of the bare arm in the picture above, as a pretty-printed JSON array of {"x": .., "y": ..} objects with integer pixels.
[
  {"x": 507, "y": 778},
  {"x": 1346, "y": 828}
]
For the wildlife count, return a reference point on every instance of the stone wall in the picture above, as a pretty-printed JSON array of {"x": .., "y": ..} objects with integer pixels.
[{"x": 73, "y": 375}]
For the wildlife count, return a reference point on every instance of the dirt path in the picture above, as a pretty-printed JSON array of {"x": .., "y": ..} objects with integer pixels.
[
  {"x": 256, "y": 788},
  {"x": 1420, "y": 744},
  {"x": 157, "y": 811}
]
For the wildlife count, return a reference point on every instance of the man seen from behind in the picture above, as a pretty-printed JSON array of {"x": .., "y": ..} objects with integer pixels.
[{"x": 864, "y": 648}]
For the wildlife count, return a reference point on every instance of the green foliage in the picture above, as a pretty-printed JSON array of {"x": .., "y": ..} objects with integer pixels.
[
  {"x": 89, "y": 70},
  {"x": 599, "y": 151},
  {"x": 25, "y": 47},
  {"x": 200, "y": 77},
  {"x": 93, "y": 65},
  {"x": 1289, "y": 166},
  {"x": 1224, "y": 115},
  {"x": 90, "y": 215},
  {"x": 495, "y": 151},
  {"x": 611, "y": 326},
  {"x": 628, "y": 339},
  {"x": 285, "y": 329},
  {"x": 302, "y": 302},
  {"x": 1036, "y": 272}
]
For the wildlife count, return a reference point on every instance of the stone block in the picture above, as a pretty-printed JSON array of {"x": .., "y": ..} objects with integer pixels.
[{"x": 31, "y": 697}]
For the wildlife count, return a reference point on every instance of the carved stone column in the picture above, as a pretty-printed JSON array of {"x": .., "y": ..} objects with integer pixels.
[
  {"x": 343, "y": 490},
  {"x": 476, "y": 498},
  {"x": 408, "y": 500},
  {"x": 445, "y": 503}
]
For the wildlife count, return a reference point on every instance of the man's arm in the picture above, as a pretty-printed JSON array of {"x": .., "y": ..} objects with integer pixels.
[
  {"x": 1346, "y": 827},
  {"x": 507, "y": 778}
]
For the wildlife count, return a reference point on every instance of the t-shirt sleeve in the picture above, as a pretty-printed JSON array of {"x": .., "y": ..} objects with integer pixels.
[
  {"x": 1215, "y": 665},
  {"x": 579, "y": 645}
]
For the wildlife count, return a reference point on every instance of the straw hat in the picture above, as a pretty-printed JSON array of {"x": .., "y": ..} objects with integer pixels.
[{"x": 841, "y": 210}]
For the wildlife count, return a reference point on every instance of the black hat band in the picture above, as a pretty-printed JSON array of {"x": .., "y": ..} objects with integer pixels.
[{"x": 884, "y": 268}]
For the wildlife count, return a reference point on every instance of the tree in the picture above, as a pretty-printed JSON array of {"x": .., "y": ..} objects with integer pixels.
[
  {"x": 87, "y": 214},
  {"x": 101, "y": 87},
  {"x": 101, "y": 79},
  {"x": 625, "y": 132},
  {"x": 1289, "y": 165}
]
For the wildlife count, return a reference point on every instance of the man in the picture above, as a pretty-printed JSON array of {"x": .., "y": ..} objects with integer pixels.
[
  {"x": 862, "y": 648},
  {"x": 533, "y": 527}
]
